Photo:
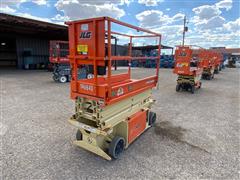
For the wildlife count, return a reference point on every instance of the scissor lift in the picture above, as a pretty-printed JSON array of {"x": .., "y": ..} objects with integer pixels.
[
  {"x": 188, "y": 68},
  {"x": 58, "y": 57},
  {"x": 59, "y": 52},
  {"x": 218, "y": 62},
  {"x": 208, "y": 64},
  {"x": 111, "y": 110}
]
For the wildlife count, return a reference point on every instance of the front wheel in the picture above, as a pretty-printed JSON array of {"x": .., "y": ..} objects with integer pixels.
[
  {"x": 178, "y": 87},
  {"x": 116, "y": 147},
  {"x": 79, "y": 135},
  {"x": 63, "y": 79}
]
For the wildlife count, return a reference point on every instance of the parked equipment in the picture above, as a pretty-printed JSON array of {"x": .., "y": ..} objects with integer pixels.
[
  {"x": 218, "y": 62},
  {"x": 231, "y": 62},
  {"x": 58, "y": 57},
  {"x": 188, "y": 68},
  {"x": 111, "y": 110},
  {"x": 59, "y": 52},
  {"x": 167, "y": 61},
  {"x": 145, "y": 51},
  {"x": 208, "y": 63}
]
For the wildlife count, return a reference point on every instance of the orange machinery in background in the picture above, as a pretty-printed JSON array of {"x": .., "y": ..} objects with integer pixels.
[
  {"x": 58, "y": 52},
  {"x": 218, "y": 62},
  {"x": 188, "y": 68},
  {"x": 112, "y": 110},
  {"x": 209, "y": 60}
]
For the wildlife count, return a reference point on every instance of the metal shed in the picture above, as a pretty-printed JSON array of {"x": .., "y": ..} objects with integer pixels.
[{"x": 24, "y": 43}]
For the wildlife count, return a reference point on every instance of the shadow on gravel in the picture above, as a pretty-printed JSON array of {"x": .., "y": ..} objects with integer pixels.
[
  {"x": 176, "y": 133},
  {"x": 166, "y": 129}
]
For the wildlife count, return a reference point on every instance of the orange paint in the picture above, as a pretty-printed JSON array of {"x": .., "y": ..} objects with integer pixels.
[
  {"x": 90, "y": 44},
  {"x": 136, "y": 125},
  {"x": 184, "y": 55},
  {"x": 55, "y": 55}
]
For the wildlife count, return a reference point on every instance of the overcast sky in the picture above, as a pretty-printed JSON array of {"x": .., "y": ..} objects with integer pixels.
[{"x": 211, "y": 22}]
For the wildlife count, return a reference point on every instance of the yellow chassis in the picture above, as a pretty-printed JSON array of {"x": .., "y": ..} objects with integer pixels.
[
  {"x": 193, "y": 80},
  {"x": 208, "y": 71},
  {"x": 99, "y": 125}
]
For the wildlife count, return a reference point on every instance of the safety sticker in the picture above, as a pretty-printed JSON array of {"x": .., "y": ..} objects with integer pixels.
[{"x": 82, "y": 49}]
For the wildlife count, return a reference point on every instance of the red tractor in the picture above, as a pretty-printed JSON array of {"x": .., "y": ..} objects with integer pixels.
[{"x": 188, "y": 68}]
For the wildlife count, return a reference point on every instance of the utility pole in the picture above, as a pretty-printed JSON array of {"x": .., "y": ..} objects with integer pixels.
[{"x": 185, "y": 29}]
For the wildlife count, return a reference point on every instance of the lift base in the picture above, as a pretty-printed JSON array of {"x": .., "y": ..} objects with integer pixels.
[
  {"x": 106, "y": 131},
  {"x": 208, "y": 73},
  {"x": 186, "y": 82}
]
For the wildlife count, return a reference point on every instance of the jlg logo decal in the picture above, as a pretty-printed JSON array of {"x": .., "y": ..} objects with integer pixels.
[{"x": 85, "y": 35}]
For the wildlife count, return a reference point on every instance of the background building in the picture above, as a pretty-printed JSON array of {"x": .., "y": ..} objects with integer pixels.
[{"x": 24, "y": 43}]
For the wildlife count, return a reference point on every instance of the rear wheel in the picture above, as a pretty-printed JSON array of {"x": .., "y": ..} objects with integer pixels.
[
  {"x": 116, "y": 147},
  {"x": 192, "y": 89},
  {"x": 152, "y": 118},
  {"x": 212, "y": 77},
  {"x": 200, "y": 85},
  {"x": 63, "y": 79},
  {"x": 55, "y": 78}
]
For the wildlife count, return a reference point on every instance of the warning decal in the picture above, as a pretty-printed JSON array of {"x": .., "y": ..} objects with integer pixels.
[{"x": 82, "y": 49}]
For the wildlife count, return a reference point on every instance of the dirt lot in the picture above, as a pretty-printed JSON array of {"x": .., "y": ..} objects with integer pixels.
[{"x": 196, "y": 135}]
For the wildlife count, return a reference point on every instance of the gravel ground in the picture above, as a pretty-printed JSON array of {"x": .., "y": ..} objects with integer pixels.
[{"x": 196, "y": 135}]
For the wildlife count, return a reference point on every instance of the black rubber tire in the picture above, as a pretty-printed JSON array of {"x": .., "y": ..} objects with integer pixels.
[
  {"x": 68, "y": 78},
  {"x": 178, "y": 87},
  {"x": 192, "y": 89},
  {"x": 200, "y": 85},
  {"x": 116, "y": 147},
  {"x": 183, "y": 87},
  {"x": 212, "y": 77},
  {"x": 152, "y": 118},
  {"x": 79, "y": 135},
  {"x": 55, "y": 78},
  {"x": 63, "y": 79}
]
